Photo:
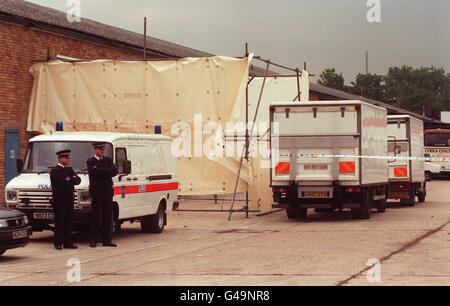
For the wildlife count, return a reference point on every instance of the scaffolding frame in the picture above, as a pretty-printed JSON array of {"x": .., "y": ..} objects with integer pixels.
[{"x": 245, "y": 151}]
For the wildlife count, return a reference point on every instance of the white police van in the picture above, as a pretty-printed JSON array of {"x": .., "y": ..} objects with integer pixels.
[{"x": 145, "y": 189}]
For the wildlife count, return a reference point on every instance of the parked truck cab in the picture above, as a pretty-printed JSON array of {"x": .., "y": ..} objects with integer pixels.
[
  {"x": 341, "y": 130},
  {"x": 145, "y": 189}
]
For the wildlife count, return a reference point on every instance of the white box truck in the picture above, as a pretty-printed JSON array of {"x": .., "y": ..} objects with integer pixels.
[
  {"x": 406, "y": 177},
  {"x": 145, "y": 189},
  {"x": 344, "y": 128}
]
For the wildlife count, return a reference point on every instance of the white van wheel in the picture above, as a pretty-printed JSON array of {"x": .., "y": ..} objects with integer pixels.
[{"x": 154, "y": 223}]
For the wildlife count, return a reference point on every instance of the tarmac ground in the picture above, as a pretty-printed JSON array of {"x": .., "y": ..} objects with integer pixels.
[{"x": 403, "y": 246}]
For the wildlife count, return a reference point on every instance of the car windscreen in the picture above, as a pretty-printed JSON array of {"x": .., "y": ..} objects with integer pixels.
[
  {"x": 41, "y": 156},
  {"x": 437, "y": 139}
]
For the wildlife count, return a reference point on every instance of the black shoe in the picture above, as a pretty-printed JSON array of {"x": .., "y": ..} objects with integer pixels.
[
  {"x": 71, "y": 246},
  {"x": 109, "y": 244},
  {"x": 93, "y": 244},
  {"x": 58, "y": 247}
]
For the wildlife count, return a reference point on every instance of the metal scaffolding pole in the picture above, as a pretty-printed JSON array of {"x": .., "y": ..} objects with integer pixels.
[{"x": 247, "y": 136}]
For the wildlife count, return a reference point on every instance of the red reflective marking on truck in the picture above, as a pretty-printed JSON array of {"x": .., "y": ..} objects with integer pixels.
[
  {"x": 283, "y": 168},
  {"x": 347, "y": 167},
  {"x": 400, "y": 172}
]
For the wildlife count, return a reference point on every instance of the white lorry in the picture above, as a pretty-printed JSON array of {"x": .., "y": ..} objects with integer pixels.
[
  {"x": 145, "y": 189},
  {"x": 346, "y": 128},
  {"x": 406, "y": 177}
]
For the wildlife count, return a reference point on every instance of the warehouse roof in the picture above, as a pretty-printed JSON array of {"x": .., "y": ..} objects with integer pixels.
[
  {"x": 33, "y": 15},
  {"x": 45, "y": 18}
]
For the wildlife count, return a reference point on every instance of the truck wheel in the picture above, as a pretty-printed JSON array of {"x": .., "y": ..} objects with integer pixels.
[
  {"x": 291, "y": 212},
  {"x": 356, "y": 214},
  {"x": 421, "y": 196},
  {"x": 301, "y": 213},
  {"x": 154, "y": 223},
  {"x": 381, "y": 206},
  {"x": 412, "y": 197},
  {"x": 366, "y": 205}
]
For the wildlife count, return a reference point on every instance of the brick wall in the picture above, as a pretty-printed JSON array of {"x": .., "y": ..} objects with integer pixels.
[{"x": 20, "y": 45}]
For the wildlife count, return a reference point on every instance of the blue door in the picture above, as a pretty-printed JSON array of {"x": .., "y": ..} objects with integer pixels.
[{"x": 12, "y": 153}]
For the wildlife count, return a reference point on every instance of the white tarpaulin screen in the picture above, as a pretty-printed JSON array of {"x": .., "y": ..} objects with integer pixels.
[
  {"x": 276, "y": 89},
  {"x": 134, "y": 96}
]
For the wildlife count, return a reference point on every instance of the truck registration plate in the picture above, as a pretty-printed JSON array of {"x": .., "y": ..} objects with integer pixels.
[
  {"x": 19, "y": 234},
  {"x": 44, "y": 216},
  {"x": 316, "y": 194},
  {"x": 403, "y": 194}
]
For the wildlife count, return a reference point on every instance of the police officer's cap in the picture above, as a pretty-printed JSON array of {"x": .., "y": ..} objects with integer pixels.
[
  {"x": 99, "y": 145},
  {"x": 63, "y": 153}
]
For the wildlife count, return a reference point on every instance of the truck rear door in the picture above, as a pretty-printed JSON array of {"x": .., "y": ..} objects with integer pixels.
[
  {"x": 398, "y": 146},
  {"x": 315, "y": 129}
]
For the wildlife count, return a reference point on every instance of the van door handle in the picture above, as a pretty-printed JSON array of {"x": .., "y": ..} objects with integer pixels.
[
  {"x": 128, "y": 179},
  {"x": 135, "y": 179}
]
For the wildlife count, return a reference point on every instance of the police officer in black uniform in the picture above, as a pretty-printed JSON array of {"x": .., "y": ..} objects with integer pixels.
[
  {"x": 101, "y": 170},
  {"x": 63, "y": 179}
]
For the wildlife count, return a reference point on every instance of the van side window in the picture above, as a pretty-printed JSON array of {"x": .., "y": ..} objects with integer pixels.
[{"x": 121, "y": 156}]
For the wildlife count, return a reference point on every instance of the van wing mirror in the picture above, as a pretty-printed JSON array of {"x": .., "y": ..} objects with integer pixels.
[
  {"x": 398, "y": 150},
  {"x": 19, "y": 165},
  {"x": 127, "y": 166}
]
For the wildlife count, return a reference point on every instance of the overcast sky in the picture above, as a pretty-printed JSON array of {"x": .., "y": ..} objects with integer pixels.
[{"x": 324, "y": 33}]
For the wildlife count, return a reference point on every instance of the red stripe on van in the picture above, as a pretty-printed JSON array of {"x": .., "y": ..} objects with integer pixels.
[
  {"x": 161, "y": 187},
  {"x": 148, "y": 188}
]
